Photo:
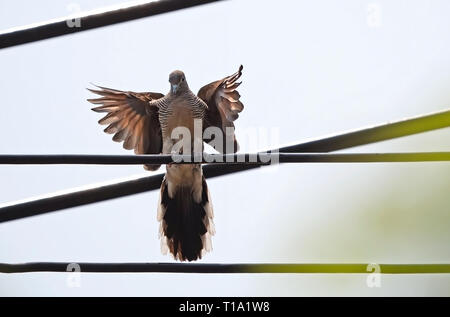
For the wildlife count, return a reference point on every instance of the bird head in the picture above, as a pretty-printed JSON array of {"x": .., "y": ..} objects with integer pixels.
[{"x": 177, "y": 82}]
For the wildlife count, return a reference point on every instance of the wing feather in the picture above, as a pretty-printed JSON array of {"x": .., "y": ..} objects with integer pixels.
[
  {"x": 224, "y": 106},
  {"x": 132, "y": 118}
]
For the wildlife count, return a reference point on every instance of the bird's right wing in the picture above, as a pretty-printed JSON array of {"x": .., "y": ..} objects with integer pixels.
[{"x": 132, "y": 118}]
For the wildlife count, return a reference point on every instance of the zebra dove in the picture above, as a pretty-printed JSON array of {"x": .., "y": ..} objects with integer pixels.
[{"x": 149, "y": 123}]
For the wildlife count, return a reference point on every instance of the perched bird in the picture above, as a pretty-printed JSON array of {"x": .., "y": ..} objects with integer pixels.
[{"x": 147, "y": 122}]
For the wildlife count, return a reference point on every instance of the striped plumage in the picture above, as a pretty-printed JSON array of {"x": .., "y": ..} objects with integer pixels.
[
  {"x": 186, "y": 103},
  {"x": 145, "y": 122}
]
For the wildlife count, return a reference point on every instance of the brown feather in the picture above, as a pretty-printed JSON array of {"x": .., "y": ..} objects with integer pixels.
[
  {"x": 131, "y": 119},
  {"x": 223, "y": 103},
  {"x": 109, "y": 118}
]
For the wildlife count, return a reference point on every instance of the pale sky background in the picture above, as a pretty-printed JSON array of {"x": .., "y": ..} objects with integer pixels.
[{"x": 310, "y": 68}]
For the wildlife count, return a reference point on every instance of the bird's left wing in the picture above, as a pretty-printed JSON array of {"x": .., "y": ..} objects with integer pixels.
[
  {"x": 224, "y": 107},
  {"x": 132, "y": 118}
]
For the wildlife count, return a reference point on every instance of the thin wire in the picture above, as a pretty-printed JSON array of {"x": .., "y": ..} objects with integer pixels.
[
  {"x": 239, "y": 159},
  {"x": 83, "y": 21},
  {"x": 115, "y": 189},
  {"x": 305, "y": 268}
]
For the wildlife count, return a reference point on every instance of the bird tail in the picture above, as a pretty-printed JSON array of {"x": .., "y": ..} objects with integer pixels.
[{"x": 186, "y": 220}]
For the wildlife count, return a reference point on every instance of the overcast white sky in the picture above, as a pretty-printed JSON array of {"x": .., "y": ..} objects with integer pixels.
[{"x": 310, "y": 68}]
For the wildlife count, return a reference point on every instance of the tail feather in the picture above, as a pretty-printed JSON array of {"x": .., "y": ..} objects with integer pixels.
[{"x": 186, "y": 225}]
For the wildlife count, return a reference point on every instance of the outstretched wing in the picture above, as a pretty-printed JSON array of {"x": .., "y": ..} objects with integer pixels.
[
  {"x": 131, "y": 119},
  {"x": 224, "y": 106}
]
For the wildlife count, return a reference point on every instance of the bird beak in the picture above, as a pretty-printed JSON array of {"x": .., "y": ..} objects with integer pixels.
[{"x": 174, "y": 89}]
